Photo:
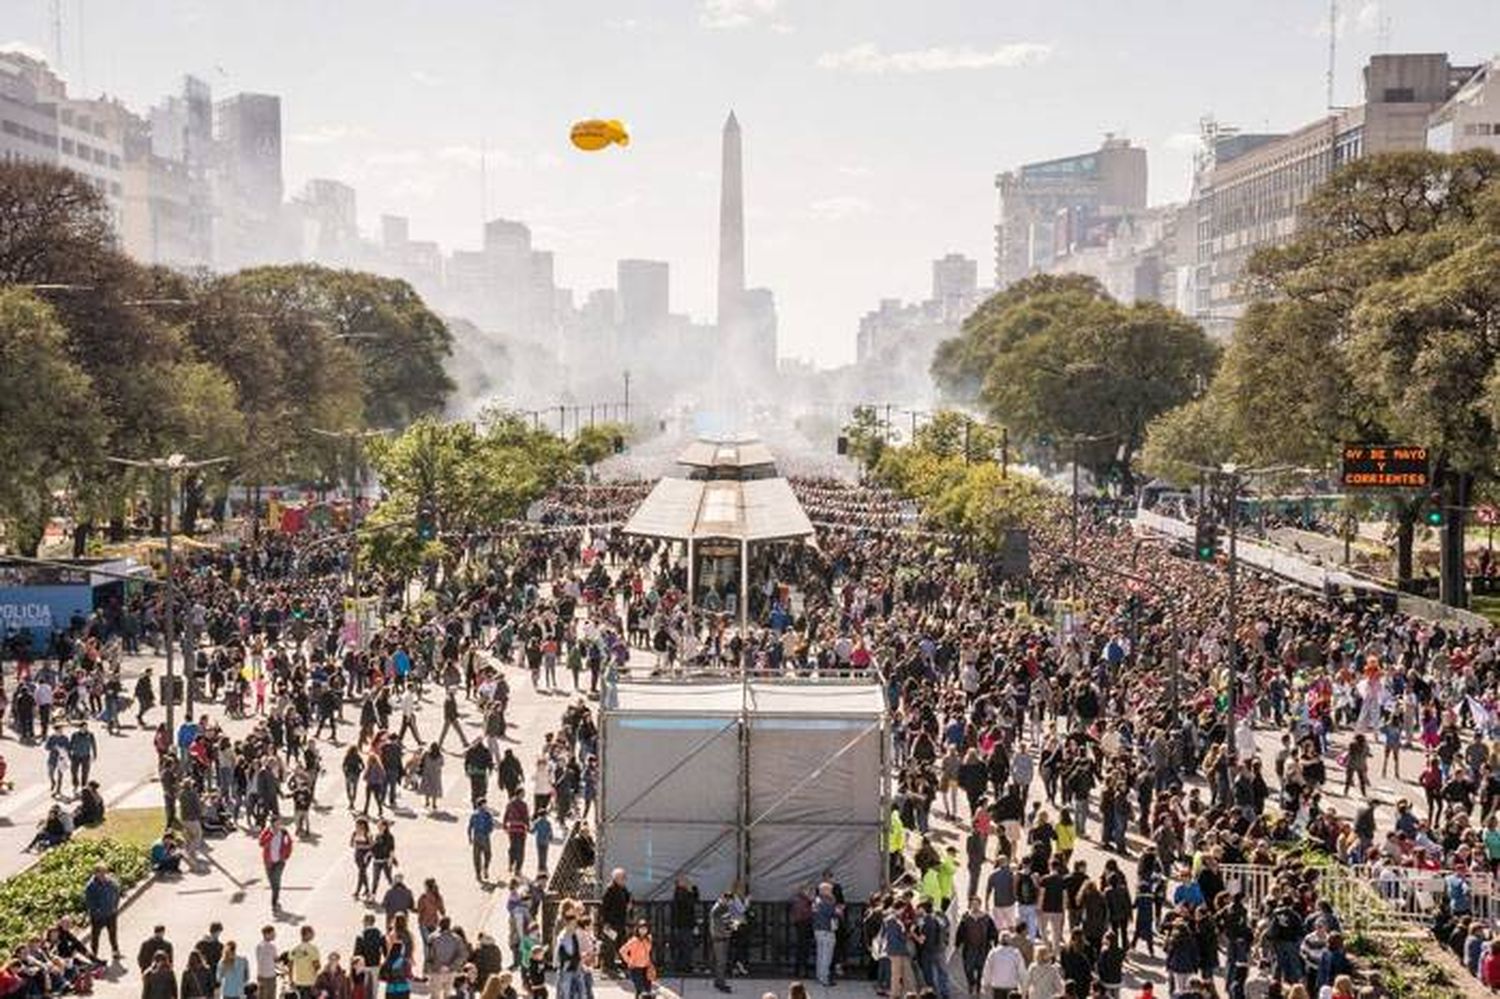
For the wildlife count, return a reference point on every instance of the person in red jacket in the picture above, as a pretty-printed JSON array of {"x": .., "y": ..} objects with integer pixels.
[
  {"x": 517, "y": 822},
  {"x": 275, "y": 847}
]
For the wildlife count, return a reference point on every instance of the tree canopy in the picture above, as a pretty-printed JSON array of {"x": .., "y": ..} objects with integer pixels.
[
  {"x": 1054, "y": 358},
  {"x": 242, "y": 365}
]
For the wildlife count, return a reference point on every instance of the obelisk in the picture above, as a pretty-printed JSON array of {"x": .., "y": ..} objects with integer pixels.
[{"x": 731, "y": 232}]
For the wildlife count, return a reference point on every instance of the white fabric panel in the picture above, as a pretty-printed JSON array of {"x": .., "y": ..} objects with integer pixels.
[
  {"x": 699, "y": 757},
  {"x": 799, "y": 776},
  {"x": 783, "y": 857}
]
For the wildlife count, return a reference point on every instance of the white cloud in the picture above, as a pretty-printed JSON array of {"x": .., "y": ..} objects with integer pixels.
[
  {"x": 426, "y": 79},
  {"x": 854, "y": 170},
  {"x": 839, "y": 207},
  {"x": 736, "y": 13},
  {"x": 26, "y": 49},
  {"x": 868, "y": 58},
  {"x": 1367, "y": 18},
  {"x": 324, "y": 135}
]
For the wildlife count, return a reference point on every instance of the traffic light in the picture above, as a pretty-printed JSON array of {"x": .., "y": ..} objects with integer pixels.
[
  {"x": 426, "y": 522},
  {"x": 1433, "y": 514},
  {"x": 1206, "y": 539},
  {"x": 843, "y": 444}
]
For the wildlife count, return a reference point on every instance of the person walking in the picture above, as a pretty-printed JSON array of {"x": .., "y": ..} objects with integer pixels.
[
  {"x": 275, "y": 849},
  {"x": 481, "y": 828},
  {"x": 101, "y": 900},
  {"x": 1002, "y": 970},
  {"x": 517, "y": 822},
  {"x": 83, "y": 749}
]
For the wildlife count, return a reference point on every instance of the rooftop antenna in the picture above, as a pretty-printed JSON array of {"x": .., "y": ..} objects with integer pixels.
[
  {"x": 1384, "y": 37},
  {"x": 1333, "y": 45}
]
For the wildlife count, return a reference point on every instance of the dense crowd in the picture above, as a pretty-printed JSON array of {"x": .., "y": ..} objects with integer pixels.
[{"x": 1073, "y": 801}]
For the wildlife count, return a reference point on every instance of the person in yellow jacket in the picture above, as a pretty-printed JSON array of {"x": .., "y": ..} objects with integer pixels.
[
  {"x": 947, "y": 869},
  {"x": 896, "y": 844},
  {"x": 1067, "y": 835}
]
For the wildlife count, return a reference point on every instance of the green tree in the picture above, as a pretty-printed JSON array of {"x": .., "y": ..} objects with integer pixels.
[
  {"x": 949, "y": 433},
  {"x": 401, "y": 345},
  {"x": 1375, "y": 324},
  {"x": 1058, "y": 359},
  {"x": 594, "y": 443},
  {"x": 866, "y": 435},
  {"x": 53, "y": 433}
]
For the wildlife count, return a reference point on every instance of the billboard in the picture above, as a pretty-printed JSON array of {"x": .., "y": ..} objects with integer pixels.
[
  {"x": 1390, "y": 466},
  {"x": 41, "y": 610}
]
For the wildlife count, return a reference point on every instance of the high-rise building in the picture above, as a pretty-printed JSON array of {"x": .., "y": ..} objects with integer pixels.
[
  {"x": 28, "y": 118},
  {"x": 329, "y": 211},
  {"x": 248, "y": 190},
  {"x": 1046, "y": 207},
  {"x": 644, "y": 296},
  {"x": 731, "y": 225},
  {"x": 1471, "y": 117},
  {"x": 1247, "y": 189},
  {"x": 954, "y": 280}
]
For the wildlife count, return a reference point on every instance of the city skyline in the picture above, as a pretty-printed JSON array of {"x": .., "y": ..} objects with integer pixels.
[{"x": 954, "y": 96}]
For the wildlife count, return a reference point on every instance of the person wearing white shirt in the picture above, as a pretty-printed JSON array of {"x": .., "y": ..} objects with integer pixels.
[
  {"x": 1004, "y": 968},
  {"x": 266, "y": 964}
]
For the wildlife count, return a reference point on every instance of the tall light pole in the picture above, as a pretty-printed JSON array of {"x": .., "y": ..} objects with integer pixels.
[{"x": 168, "y": 468}]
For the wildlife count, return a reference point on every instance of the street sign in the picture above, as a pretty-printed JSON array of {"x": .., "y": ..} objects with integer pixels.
[{"x": 1389, "y": 466}]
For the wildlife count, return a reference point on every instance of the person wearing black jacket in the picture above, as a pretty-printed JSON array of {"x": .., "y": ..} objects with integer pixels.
[
  {"x": 157, "y": 941},
  {"x": 614, "y": 914},
  {"x": 685, "y": 906}
]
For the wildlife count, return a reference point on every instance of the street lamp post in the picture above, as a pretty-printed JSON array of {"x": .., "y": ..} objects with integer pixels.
[{"x": 168, "y": 468}]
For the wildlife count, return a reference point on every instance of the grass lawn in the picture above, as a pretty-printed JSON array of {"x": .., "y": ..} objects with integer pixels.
[
  {"x": 138, "y": 827},
  {"x": 1488, "y": 606}
]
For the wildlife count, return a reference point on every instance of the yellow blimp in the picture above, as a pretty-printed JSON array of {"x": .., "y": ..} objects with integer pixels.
[{"x": 594, "y": 134}]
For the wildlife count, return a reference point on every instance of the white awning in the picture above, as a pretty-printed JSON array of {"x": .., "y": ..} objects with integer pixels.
[{"x": 758, "y": 510}]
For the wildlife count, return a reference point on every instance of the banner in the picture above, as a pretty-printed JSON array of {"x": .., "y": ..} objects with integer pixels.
[{"x": 41, "y": 610}]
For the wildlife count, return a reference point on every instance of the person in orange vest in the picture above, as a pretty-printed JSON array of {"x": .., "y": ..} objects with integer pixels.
[{"x": 636, "y": 953}]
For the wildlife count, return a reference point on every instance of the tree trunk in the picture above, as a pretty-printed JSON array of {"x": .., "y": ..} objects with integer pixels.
[
  {"x": 1406, "y": 531},
  {"x": 192, "y": 502},
  {"x": 1452, "y": 589}
]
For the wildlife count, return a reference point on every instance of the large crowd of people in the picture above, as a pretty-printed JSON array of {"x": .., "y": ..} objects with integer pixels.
[{"x": 1079, "y": 779}]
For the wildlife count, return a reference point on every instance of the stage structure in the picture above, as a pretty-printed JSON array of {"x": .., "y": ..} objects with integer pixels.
[
  {"x": 724, "y": 777},
  {"x": 769, "y": 782},
  {"x": 728, "y": 503}
]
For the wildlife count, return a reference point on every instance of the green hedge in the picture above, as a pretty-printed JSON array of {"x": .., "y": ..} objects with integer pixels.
[{"x": 37, "y": 897}]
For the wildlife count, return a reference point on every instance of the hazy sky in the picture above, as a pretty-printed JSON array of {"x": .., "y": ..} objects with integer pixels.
[{"x": 873, "y": 128}]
